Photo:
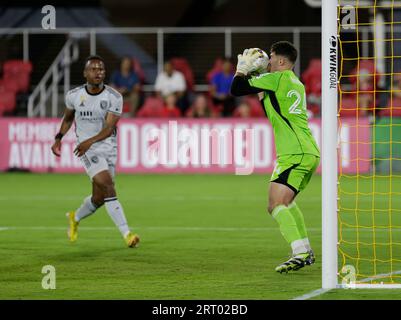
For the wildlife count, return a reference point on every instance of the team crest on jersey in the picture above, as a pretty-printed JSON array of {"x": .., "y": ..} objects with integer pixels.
[
  {"x": 95, "y": 159},
  {"x": 103, "y": 104}
]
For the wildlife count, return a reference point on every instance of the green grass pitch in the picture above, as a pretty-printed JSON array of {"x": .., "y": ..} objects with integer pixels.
[{"x": 203, "y": 237}]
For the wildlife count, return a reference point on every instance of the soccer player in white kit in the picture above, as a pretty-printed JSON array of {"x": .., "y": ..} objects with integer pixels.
[{"x": 96, "y": 109}]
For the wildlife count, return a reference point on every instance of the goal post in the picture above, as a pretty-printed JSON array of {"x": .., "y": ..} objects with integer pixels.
[
  {"x": 361, "y": 144},
  {"x": 329, "y": 144}
]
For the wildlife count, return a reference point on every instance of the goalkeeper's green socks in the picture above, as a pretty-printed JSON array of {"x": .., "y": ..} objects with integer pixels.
[
  {"x": 299, "y": 219},
  {"x": 289, "y": 229}
]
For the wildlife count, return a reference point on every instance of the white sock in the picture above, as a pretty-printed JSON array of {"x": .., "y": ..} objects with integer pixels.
[
  {"x": 298, "y": 246},
  {"x": 116, "y": 212},
  {"x": 86, "y": 209},
  {"x": 307, "y": 244}
]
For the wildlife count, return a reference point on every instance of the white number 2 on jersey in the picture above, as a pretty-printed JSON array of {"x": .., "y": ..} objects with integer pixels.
[{"x": 294, "y": 107}]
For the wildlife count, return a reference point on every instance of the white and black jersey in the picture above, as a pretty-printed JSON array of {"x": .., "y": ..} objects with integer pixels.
[
  {"x": 90, "y": 117},
  {"x": 91, "y": 110}
]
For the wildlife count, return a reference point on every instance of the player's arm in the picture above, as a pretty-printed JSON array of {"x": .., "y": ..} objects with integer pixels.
[
  {"x": 107, "y": 131},
  {"x": 241, "y": 87},
  {"x": 66, "y": 124}
]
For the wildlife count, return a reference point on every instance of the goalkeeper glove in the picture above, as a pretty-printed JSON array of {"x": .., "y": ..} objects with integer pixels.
[{"x": 246, "y": 61}]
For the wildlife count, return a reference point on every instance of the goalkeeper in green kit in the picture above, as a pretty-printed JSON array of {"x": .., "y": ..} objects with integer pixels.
[{"x": 283, "y": 97}]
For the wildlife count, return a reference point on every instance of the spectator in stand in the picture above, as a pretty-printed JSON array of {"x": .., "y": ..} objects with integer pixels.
[
  {"x": 220, "y": 85},
  {"x": 200, "y": 108},
  {"x": 126, "y": 81},
  {"x": 171, "y": 81},
  {"x": 243, "y": 110},
  {"x": 170, "y": 108}
]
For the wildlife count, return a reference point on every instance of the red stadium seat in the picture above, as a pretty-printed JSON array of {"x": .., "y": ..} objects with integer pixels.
[
  {"x": 256, "y": 107},
  {"x": 126, "y": 107},
  {"x": 182, "y": 65},
  {"x": 349, "y": 106},
  {"x": 9, "y": 84},
  {"x": 312, "y": 77},
  {"x": 7, "y": 101},
  {"x": 152, "y": 108},
  {"x": 19, "y": 71}
]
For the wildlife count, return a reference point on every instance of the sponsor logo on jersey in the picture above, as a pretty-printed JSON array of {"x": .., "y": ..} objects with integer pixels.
[
  {"x": 95, "y": 159},
  {"x": 85, "y": 113}
]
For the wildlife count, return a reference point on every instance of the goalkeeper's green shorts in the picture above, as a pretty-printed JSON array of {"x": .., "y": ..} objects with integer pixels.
[{"x": 295, "y": 170}]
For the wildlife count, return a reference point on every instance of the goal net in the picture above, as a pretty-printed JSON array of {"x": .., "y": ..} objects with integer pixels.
[{"x": 369, "y": 143}]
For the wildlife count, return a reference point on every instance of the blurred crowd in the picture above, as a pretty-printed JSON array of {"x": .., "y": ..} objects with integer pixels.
[
  {"x": 174, "y": 95},
  {"x": 364, "y": 91}
]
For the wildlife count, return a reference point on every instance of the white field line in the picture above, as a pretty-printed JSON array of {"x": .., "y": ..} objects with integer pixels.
[{"x": 311, "y": 294}]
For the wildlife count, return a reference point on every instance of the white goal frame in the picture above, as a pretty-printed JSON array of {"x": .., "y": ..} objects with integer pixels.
[{"x": 330, "y": 267}]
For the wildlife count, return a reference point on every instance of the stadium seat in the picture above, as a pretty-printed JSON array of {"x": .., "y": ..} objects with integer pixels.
[
  {"x": 349, "y": 106},
  {"x": 9, "y": 84},
  {"x": 152, "y": 108},
  {"x": 126, "y": 107},
  {"x": 19, "y": 71},
  {"x": 182, "y": 65},
  {"x": 312, "y": 79},
  {"x": 7, "y": 101},
  {"x": 256, "y": 107}
]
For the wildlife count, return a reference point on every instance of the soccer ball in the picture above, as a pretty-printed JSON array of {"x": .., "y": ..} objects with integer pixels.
[{"x": 261, "y": 62}]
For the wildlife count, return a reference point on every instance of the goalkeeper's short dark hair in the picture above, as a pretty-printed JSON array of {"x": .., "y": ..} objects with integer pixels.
[{"x": 286, "y": 49}]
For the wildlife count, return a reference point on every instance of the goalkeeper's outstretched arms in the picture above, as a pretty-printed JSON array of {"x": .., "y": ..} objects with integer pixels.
[{"x": 246, "y": 65}]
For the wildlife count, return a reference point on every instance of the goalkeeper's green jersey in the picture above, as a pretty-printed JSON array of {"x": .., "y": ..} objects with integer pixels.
[{"x": 284, "y": 102}]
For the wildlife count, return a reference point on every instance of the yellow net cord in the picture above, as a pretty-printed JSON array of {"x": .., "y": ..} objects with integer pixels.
[{"x": 369, "y": 196}]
